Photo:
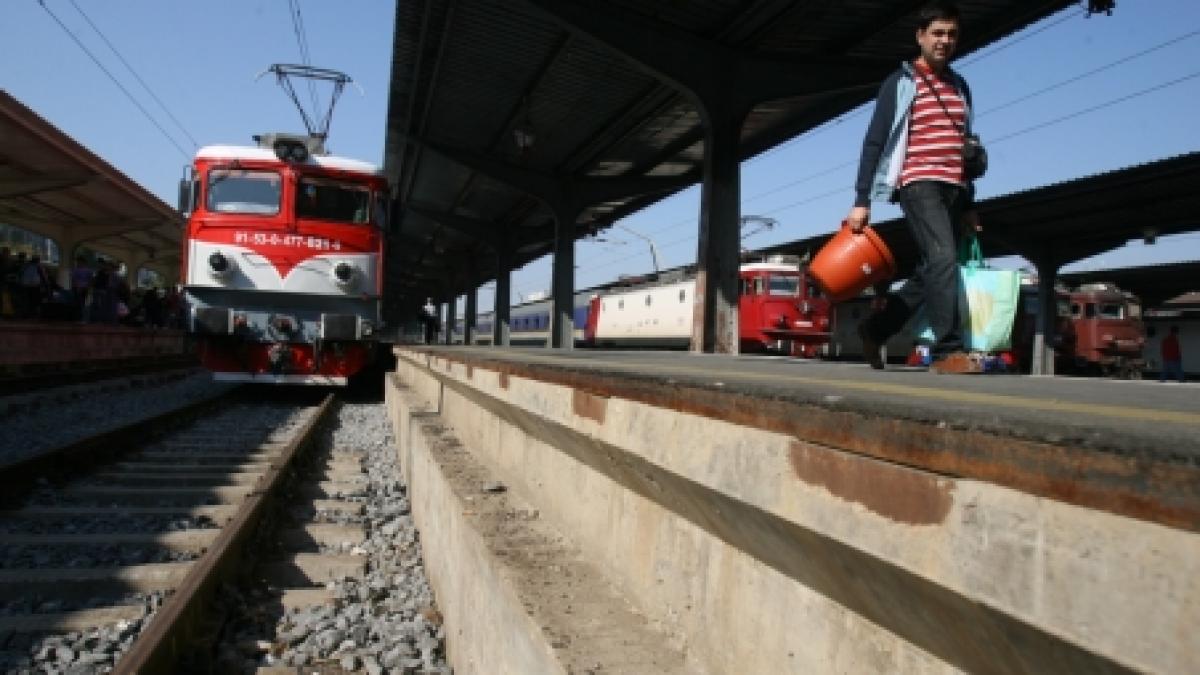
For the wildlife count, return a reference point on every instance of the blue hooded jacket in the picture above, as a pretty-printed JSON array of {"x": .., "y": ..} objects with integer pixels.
[{"x": 887, "y": 136}]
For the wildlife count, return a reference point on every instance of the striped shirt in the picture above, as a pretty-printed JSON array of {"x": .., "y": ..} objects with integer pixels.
[{"x": 934, "y": 141}]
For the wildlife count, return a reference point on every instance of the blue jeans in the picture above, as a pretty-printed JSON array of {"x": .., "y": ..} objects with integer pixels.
[
  {"x": 1171, "y": 369},
  {"x": 933, "y": 211}
]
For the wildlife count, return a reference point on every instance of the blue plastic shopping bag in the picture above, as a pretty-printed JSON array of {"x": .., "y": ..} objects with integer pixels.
[{"x": 990, "y": 297}]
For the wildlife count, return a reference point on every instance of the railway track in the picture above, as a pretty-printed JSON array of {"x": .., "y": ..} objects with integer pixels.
[{"x": 117, "y": 554}]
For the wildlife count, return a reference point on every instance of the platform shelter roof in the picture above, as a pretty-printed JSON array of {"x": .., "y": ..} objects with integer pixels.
[
  {"x": 52, "y": 185},
  {"x": 1155, "y": 285},
  {"x": 499, "y": 106}
]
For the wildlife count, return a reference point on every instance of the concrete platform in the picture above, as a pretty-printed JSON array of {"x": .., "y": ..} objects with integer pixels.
[
  {"x": 37, "y": 346},
  {"x": 771, "y": 515},
  {"x": 1132, "y": 447}
]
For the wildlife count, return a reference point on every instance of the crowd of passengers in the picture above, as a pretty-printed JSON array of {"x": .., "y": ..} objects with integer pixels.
[{"x": 97, "y": 293}]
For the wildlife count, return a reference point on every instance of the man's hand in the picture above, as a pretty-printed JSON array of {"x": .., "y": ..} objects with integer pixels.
[{"x": 858, "y": 218}]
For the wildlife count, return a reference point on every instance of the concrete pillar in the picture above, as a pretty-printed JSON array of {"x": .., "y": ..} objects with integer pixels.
[
  {"x": 451, "y": 311},
  {"x": 562, "y": 288},
  {"x": 135, "y": 262},
  {"x": 503, "y": 301},
  {"x": 1044, "y": 329},
  {"x": 715, "y": 317},
  {"x": 66, "y": 251},
  {"x": 469, "y": 318},
  {"x": 169, "y": 272}
]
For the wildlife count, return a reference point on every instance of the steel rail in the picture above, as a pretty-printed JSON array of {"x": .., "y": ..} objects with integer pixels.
[{"x": 171, "y": 634}]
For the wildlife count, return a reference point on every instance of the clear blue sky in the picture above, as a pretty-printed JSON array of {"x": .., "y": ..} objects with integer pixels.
[{"x": 200, "y": 59}]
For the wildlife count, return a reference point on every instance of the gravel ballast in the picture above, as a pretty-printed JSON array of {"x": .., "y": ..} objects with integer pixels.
[
  {"x": 384, "y": 622},
  {"x": 52, "y": 418}
]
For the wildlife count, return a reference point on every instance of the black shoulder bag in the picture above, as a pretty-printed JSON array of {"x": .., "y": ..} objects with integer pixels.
[{"x": 974, "y": 156}]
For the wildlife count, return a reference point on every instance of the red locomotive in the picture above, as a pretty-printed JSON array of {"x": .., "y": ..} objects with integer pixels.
[
  {"x": 283, "y": 260},
  {"x": 1099, "y": 331},
  {"x": 780, "y": 310}
]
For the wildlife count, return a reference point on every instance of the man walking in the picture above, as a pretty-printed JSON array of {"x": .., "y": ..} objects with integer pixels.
[
  {"x": 913, "y": 154},
  {"x": 1172, "y": 356}
]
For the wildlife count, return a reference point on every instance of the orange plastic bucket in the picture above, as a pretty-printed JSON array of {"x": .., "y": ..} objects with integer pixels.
[{"x": 848, "y": 263}]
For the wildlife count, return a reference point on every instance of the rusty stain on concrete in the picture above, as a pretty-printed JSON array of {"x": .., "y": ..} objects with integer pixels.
[
  {"x": 589, "y": 406},
  {"x": 895, "y": 492},
  {"x": 1160, "y": 490},
  {"x": 724, "y": 335}
]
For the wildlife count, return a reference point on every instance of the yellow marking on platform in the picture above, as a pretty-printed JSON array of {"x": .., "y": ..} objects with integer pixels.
[{"x": 1003, "y": 400}]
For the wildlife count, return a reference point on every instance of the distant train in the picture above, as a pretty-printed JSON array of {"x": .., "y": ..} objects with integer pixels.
[
  {"x": 1098, "y": 331},
  {"x": 529, "y": 323},
  {"x": 780, "y": 312}
]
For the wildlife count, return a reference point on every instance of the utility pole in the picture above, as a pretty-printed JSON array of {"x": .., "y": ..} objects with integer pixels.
[{"x": 648, "y": 240}]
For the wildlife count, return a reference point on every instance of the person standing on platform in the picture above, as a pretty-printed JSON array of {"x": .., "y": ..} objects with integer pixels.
[
  {"x": 35, "y": 284},
  {"x": 1172, "y": 356},
  {"x": 12, "y": 280},
  {"x": 100, "y": 305},
  {"x": 122, "y": 297},
  {"x": 81, "y": 279},
  {"x": 173, "y": 308},
  {"x": 913, "y": 154},
  {"x": 8, "y": 304},
  {"x": 152, "y": 307}
]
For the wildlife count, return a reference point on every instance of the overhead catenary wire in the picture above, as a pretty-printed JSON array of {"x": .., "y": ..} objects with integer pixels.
[
  {"x": 996, "y": 141},
  {"x": 302, "y": 43},
  {"x": 862, "y": 110},
  {"x": 1021, "y": 99},
  {"x": 1120, "y": 61},
  {"x": 974, "y": 59},
  {"x": 133, "y": 72},
  {"x": 115, "y": 81}
]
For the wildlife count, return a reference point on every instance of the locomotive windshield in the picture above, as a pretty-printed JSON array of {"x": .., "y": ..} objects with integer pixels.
[
  {"x": 240, "y": 191},
  {"x": 789, "y": 286},
  {"x": 340, "y": 202}
]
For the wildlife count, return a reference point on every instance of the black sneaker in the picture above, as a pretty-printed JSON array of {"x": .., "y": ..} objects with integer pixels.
[{"x": 872, "y": 350}]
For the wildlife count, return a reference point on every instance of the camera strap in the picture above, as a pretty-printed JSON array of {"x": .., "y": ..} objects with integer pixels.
[{"x": 962, "y": 131}]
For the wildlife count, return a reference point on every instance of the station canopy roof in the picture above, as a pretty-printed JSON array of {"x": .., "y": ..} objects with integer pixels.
[
  {"x": 489, "y": 97},
  {"x": 53, "y": 186},
  {"x": 1155, "y": 285}
]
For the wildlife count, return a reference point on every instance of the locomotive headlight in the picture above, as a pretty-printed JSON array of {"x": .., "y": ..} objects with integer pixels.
[
  {"x": 344, "y": 274},
  {"x": 220, "y": 265}
]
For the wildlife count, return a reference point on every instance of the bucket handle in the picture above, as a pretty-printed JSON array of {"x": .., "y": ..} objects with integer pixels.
[{"x": 862, "y": 233}]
